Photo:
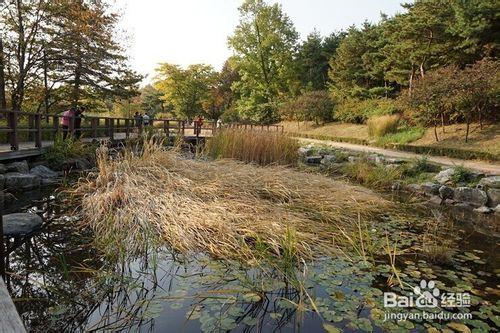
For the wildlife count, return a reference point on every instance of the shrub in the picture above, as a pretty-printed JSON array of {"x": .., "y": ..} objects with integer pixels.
[
  {"x": 372, "y": 175},
  {"x": 314, "y": 106},
  {"x": 462, "y": 175},
  {"x": 382, "y": 125},
  {"x": 419, "y": 166},
  {"x": 359, "y": 111},
  {"x": 63, "y": 149},
  {"x": 263, "y": 148},
  {"x": 402, "y": 136}
]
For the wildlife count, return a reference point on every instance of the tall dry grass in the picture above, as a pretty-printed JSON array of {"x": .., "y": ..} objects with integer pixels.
[
  {"x": 224, "y": 208},
  {"x": 382, "y": 125},
  {"x": 260, "y": 147}
]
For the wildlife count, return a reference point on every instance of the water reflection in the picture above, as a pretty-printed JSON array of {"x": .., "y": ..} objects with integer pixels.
[{"x": 60, "y": 283}]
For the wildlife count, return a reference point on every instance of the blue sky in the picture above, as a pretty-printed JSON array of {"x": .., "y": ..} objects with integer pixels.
[{"x": 196, "y": 31}]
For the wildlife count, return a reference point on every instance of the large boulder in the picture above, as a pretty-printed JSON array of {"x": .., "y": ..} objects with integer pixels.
[
  {"x": 446, "y": 192},
  {"x": 21, "y": 167},
  {"x": 490, "y": 182},
  {"x": 19, "y": 224},
  {"x": 313, "y": 159},
  {"x": 329, "y": 160},
  {"x": 16, "y": 181},
  {"x": 444, "y": 176},
  {"x": 75, "y": 163},
  {"x": 473, "y": 196},
  {"x": 430, "y": 188},
  {"x": 43, "y": 172},
  {"x": 306, "y": 151},
  {"x": 494, "y": 197},
  {"x": 3, "y": 168}
]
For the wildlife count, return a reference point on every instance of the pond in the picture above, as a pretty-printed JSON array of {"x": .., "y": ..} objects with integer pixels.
[{"x": 60, "y": 283}]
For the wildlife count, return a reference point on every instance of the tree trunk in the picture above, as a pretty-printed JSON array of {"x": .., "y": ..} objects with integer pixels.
[
  {"x": 435, "y": 131},
  {"x": 410, "y": 84},
  {"x": 46, "y": 86},
  {"x": 479, "y": 110},
  {"x": 3, "y": 99},
  {"x": 75, "y": 98},
  {"x": 442, "y": 121},
  {"x": 467, "y": 132}
]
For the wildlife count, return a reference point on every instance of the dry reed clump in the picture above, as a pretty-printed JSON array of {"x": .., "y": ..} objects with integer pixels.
[
  {"x": 225, "y": 208},
  {"x": 260, "y": 147},
  {"x": 382, "y": 125}
]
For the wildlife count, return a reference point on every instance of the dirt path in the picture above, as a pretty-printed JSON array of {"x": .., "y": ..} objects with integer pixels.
[{"x": 480, "y": 166}]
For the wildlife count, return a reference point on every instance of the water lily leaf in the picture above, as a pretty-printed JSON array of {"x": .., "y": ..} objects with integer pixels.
[
  {"x": 330, "y": 328},
  {"x": 458, "y": 327}
]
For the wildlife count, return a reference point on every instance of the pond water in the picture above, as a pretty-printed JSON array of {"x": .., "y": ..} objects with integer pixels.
[{"x": 60, "y": 283}]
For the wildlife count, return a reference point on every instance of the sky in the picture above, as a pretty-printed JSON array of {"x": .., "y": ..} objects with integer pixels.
[{"x": 184, "y": 32}]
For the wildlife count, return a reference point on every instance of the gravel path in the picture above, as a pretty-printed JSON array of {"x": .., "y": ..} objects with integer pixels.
[{"x": 480, "y": 166}]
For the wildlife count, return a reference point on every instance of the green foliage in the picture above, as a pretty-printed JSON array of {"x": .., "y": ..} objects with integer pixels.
[
  {"x": 311, "y": 106},
  {"x": 461, "y": 174},
  {"x": 382, "y": 125},
  {"x": 372, "y": 175},
  {"x": 185, "y": 89},
  {"x": 402, "y": 136},
  {"x": 419, "y": 166},
  {"x": 359, "y": 111},
  {"x": 62, "y": 149},
  {"x": 264, "y": 42}
]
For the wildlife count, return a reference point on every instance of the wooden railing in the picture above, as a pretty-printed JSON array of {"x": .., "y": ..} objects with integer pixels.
[
  {"x": 33, "y": 129},
  {"x": 256, "y": 127},
  {"x": 21, "y": 127}
]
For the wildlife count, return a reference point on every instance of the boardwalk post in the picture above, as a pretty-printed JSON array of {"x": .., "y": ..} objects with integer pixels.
[
  {"x": 111, "y": 130},
  {"x": 94, "y": 123},
  {"x": 183, "y": 127},
  {"x": 14, "y": 140},
  {"x": 38, "y": 133}
]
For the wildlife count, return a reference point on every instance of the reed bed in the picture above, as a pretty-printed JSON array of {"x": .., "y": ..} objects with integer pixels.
[
  {"x": 263, "y": 148},
  {"x": 225, "y": 208}
]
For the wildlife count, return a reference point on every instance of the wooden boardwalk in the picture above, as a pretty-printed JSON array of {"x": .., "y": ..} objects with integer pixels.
[{"x": 10, "y": 322}]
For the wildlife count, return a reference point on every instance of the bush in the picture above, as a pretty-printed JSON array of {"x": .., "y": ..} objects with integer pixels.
[
  {"x": 382, "y": 125},
  {"x": 263, "y": 148},
  {"x": 372, "y": 175},
  {"x": 62, "y": 149},
  {"x": 314, "y": 106},
  {"x": 359, "y": 111},
  {"x": 402, "y": 136}
]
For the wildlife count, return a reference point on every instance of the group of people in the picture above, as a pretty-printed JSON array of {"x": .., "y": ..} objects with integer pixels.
[{"x": 142, "y": 119}]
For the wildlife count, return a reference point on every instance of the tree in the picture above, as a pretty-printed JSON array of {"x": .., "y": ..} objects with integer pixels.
[
  {"x": 264, "y": 42},
  {"x": 314, "y": 106},
  {"x": 221, "y": 96},
  {"x": 185, "y": 89},
  {"x": 151, "y": 100}
]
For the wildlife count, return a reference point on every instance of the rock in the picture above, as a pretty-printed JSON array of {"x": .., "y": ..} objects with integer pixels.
[
  {"x": 21, "y": 223},
  {"x": 391, "y": 160},
  {"x": 21, "y": 167},
  {"x": 483, "y": 210},
  {"x": 430, "y": 188},
  {"x": 397, "y": 186},
  {"x": 375, "y": 158},
  {"x": 313, "y": 159},
  {"x": 416, "y": 188},
  {"x": 444, "y": 176},
  {"x": 2, "y": 182},
  {"x": 497, "y": 209},
  {"x": 305, "y": 151},
  {"x": 74, "y": 163},
  {"x": 328, "y": 159},
  {"x": 494, "y": 197},
  {"x": 490, "y": 182},
  {"x": 21, "y": 181},
  {"x": 43, "y": 172},
  {"x": 446, "y": 192},
  {"x": 436, "y": 200},
  {"x": 392, "y": 166},
  {"x": 472, "y": 196},
  {"x": 353, "y": 159},
  {"x": 3, "y": 168}
]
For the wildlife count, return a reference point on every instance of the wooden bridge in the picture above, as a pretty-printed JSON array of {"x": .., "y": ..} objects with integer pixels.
[{"x": 29, "y": 134}]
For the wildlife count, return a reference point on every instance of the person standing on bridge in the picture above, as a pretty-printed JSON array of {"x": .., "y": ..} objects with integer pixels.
[
  {"x": 66, "y": 119},
  {"x": 146, "y": 119},
  {"x": 198, "y": 123},
  {"x": 78, "y": 121}
]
